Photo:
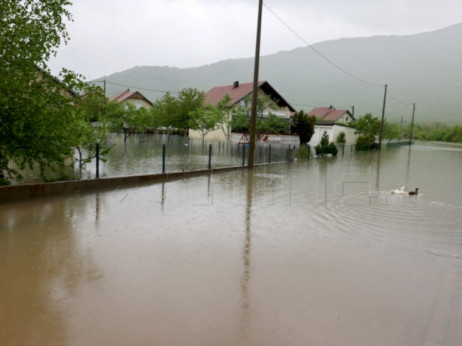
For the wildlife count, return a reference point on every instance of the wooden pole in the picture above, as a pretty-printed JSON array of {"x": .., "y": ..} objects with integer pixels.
[
  {"x": 411, "y": 137},
  {"x": 253, "y": 114},
  {"x": 383, "y": 117}
]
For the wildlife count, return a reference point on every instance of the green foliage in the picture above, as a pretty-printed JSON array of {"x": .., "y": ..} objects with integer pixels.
[
  {"x": 341, "y": 138},
  {"x": 4, "y": 182},
  {"x": 175, "y": 112},
  {"x": 304, "y": 151},
  {"x": 391, "y": 130},
  {"x": 39, "y": 114},
  {"x": 205, "y": 119},
  {"x": 272, "y": 124},
  {"x": 324, "y": 147},
  {"x": 188, "y": 100},
  {"x": 225, "y": 116},
  {"x": 435, "y": 132},
  {"x": 303, "y": 125},
  {"x": 365, "y": 142},
  {"x": 240, "y": 121},
  {"x": 367, "y": 127}
]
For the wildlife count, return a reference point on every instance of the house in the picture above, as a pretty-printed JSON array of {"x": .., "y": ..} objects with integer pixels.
[
  {"x": 133, "y": 97},
  {"x": 330, "y": 115},
  {"x": 240, "y": 94},
  {"x": 333, "y": 122}
]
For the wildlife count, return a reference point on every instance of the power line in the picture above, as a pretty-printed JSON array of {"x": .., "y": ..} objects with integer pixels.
[
  {"x": 319, "y": 53},
  {"x": 137, "y": 87},
  {"x": 398, "y": 100}
]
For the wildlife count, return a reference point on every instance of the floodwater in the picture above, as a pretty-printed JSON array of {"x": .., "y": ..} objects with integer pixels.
[
  {"x": 302, "y": 253},
  {"x": 142, "y": 154}
]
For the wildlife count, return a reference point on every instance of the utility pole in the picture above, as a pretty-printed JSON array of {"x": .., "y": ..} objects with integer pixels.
[
  {"x": 104, "y": 87},
  {"x": 253, "y": 114},
  {"x": 383, "y": 117},
  {"x": 411, "y": 137},
  {"x": 353, "y": 111}
]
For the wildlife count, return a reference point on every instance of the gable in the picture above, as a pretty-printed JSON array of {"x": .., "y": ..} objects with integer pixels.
[
  {"x": 127, "y": 95},
  {"x": 238, "y": 91}
]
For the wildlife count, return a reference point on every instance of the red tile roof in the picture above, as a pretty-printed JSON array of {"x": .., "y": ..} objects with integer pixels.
[
  {"x": 237, "y": 91},
  {"x": 127, "y": 94},
  {"x": 214, "y": 95},
  {"x": 328, "y": 114}
]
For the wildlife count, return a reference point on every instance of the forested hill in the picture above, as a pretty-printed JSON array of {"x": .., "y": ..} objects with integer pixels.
[{"x": 424, "y": 68}]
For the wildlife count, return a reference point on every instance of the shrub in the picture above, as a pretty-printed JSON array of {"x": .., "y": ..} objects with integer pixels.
[
  {"x": 324, "y": 147},
  {"x": 365, "y": 142}
]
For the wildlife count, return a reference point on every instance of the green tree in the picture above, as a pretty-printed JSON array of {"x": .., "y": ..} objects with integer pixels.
[
  {"x": 240, "y": 121},
  {"x": 367, "y": 127},
  {"x": 205, "y": 119},
  {"x": 272, "y": 124},
  {"x": 341, "y": 138},
  {"x": 188, "y": 101},
  {"x": 37, "y": 111},
  {"x": 391, "y": 130},
  {"x": 165, "y": 111},
  {"x": 303, "y": 125},
  {"x": 225, "y": 116},
  {"x": 175, "y": 112}
]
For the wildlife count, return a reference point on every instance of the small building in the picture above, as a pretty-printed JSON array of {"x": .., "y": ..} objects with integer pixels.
[
  {"x": 134, "y": 97},
  {"x": 240, "y": 96},
  {"x": 330, "y": 115},
  {"x": 333, "y": 122}
]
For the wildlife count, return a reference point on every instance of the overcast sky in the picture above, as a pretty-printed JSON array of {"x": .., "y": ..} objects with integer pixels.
[{"x": 109, "y": 36}]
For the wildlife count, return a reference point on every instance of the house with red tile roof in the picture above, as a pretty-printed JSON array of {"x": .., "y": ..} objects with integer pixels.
[
  {"x": 330, "y": 115},
  {"x": 133, "y": 97},
  {"x": 333, "y": 122},
  {"x": 240, "y": 95}
]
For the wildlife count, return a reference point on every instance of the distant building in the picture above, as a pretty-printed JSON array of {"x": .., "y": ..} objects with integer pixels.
[
  {"x": 333, "y": 122},
  {"x": 240, "y": 94},
  {"x": 134, "y": 97},
  {"x": 330, "y": 115}
]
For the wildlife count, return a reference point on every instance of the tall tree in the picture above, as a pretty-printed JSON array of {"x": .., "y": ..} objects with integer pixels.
[
  {"x": 303, "y": 125},
  {"x": 37, "y": 111},
  {"x": 367, "y": 127}
]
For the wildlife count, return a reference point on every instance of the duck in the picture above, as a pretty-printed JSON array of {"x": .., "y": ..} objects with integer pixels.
[
  {"x": 399, "y": 191},
  {"x": 413, "y": 193}
]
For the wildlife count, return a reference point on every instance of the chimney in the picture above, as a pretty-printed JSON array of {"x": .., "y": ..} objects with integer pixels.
[{"x": 236, "y": 84}]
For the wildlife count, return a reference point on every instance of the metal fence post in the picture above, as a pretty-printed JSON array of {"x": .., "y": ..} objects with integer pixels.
[
  {"x": 210, "y": 156},
  {"x": 243, "y": 155},
  {"x": 97, "y": 160},
  {"x": 163, "y": 158}
]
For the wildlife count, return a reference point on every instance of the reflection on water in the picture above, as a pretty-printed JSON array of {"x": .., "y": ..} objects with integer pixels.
[{"x": 315, "y": 252}]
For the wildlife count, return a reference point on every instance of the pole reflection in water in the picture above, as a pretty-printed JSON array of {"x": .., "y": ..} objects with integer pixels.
[
  {"x": 163, "y": 196},
  {"x": 377, "y": 179},
  {"x": 245, "y": 279},
  {"x": 408, "y": 166}
]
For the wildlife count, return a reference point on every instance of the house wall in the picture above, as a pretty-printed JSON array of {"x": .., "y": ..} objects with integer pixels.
[
  {"x": 332, "y": 131},
  {"x": 216, "y": 135},
  {"x": 346, "y": 118}
]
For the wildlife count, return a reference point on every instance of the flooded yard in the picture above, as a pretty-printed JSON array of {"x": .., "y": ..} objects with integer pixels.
[{"x": 302, "y": 253}]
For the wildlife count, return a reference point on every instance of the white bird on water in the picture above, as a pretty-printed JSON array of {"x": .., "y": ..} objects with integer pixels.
[{"x": 399, "y": 191}]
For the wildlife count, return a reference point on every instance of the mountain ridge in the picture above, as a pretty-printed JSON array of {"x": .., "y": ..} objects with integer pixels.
[{"x": 424, "y": 68}]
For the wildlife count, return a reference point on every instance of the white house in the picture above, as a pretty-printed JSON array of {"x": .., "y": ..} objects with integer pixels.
[{"x": 333, "y": 122}]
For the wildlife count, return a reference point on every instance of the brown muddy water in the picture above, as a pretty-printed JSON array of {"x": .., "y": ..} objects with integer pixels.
[{"x": 305, "y": 253}]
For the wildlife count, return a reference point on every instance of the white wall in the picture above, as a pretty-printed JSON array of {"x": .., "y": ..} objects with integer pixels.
[{"x": 332, "y": 132}]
